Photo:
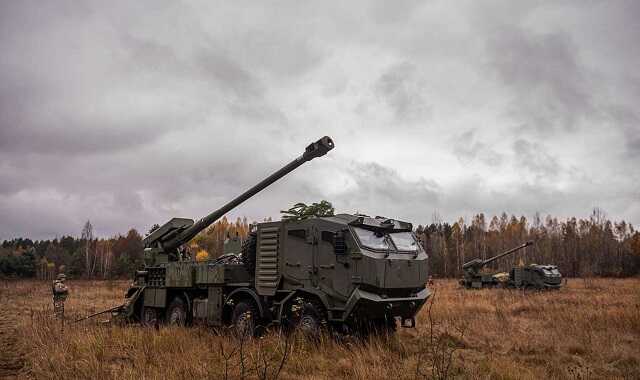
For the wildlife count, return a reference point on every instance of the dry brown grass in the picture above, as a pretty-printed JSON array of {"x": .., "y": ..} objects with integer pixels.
[{"x": 590, "y": 329}]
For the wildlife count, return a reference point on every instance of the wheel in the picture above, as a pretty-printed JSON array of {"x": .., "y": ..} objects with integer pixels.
[
  {"x": 244, "y": 317},
  {"x": 177, "y": 312},
  {"x": 149, "y": 317},
  {"x": 312, "y": 320},
  {"x": 249, "y": 252}
]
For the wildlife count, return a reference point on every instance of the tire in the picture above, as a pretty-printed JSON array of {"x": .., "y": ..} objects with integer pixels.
[
  {"x": 249, "y": 252},
  {"x": 177, "y": 313},
  {"x": 244, "y": 319},
  {"x": 312, "y": 321},
  {"x": 150, "y": 317}
]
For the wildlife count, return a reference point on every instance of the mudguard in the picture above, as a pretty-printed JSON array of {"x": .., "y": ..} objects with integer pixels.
[{"x": 251, "y": 293}]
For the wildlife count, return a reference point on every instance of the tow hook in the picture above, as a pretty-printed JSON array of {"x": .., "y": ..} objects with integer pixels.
[{"x": 408, "y": 322}]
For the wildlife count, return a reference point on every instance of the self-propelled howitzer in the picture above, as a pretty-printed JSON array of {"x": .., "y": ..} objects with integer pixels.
[
  {"x": 472, "y": 276},
  {"x": 345, "y": 272}
]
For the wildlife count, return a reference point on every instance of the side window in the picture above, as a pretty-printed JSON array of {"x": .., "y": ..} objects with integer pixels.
[
  {"x": 302, "y": 234},
  {"x": 327, "y": 236}
]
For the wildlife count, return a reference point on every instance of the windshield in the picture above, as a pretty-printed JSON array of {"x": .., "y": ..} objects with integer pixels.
[
  {"x": 404, "y": 241},
  {"x": 370, "y": 239}
]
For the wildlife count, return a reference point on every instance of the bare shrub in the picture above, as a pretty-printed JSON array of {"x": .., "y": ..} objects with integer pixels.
[{"x": 438, "y": 346}]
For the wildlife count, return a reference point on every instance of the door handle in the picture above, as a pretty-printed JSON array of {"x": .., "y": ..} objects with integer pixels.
[{"x": 291, "y": 264}]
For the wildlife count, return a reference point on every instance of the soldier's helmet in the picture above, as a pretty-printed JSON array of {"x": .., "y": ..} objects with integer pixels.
[{"x": 61, "y": 277}]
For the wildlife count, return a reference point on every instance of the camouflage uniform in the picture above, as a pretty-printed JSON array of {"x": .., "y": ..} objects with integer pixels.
[{"x": 60, "y": 292}]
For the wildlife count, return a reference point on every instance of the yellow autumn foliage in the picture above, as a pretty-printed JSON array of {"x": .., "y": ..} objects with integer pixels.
[{"x": 202, "y": 255}]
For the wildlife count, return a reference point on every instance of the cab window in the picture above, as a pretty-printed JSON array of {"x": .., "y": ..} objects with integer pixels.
[
  {"x": 404, "y": 241},
  {"x": 371, "y": 239}
]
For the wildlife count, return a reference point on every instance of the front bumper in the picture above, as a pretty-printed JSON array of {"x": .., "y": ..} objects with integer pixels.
[{"x": 364, "y": 304}]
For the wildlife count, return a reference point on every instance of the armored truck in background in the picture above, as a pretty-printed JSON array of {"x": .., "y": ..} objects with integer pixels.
[
  {"x": 475, "y": 278},
  {"x": 535, "y": 276},
  {"x": 530, "y": 276},
  {"x": 349, "y": 272}
]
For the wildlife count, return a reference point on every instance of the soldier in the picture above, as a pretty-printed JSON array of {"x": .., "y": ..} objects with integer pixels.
[
  {"x": 60, "y": 292},
  {"x": 60, "y": 289}
]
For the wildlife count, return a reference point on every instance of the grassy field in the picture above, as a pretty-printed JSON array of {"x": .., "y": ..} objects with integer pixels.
[{"x": 588, "y": 330}]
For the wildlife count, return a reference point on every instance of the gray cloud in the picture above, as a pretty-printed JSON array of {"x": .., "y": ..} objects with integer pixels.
[
  {"x": 402, "y": 89},
  {"x": 628, "y": 119},
  {"x": 535, "y": 158},
  {"x": 550, "y": 87},
  {"x": 468, "y": 149},
  {"x": 386, "y": 13},
  {"x": 133, "y": 113}
]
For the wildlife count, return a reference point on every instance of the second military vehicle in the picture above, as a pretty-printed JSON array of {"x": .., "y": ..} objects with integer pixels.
[
  {"x": 350, "y": 272},
  {"x": 535, "y": 276},
  {"x": 531, "y": 276}
]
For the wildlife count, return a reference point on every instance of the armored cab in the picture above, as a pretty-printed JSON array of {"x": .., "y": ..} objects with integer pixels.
[
  {"x": 351, "y": 272},
  {"x": 535, "y": 276}
]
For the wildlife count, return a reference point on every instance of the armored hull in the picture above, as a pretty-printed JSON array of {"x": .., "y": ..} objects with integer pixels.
[{"x": 325, "y": 262}]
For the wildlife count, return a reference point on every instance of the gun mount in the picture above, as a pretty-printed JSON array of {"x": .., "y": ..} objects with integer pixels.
[{"x": 162, "y": 244}]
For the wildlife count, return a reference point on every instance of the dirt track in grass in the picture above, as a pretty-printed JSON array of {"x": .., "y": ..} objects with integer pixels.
[{"x": 12, "y": 357}]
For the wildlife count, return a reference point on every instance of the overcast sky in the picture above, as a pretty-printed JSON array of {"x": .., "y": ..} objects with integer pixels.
[{"x": 130, "y": 113}]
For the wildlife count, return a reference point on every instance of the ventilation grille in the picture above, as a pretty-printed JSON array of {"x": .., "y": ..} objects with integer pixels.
[
  {"x": 156, "y": 276},
  {"x": 267, "y": 261}
]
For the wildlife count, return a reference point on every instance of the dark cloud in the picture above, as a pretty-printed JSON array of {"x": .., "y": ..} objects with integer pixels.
[
  {"x": 468, "y": 149},
  {"x": 62, "y": 135},
  {"x": 534, "y": 157},
  {"x": 628, "y": 120},
  {"x": 230, "y": 75},
  {"x": 549, "y": 85},
  {"x": 402, "y": 89},
  {"x": 132, "y": 113}
]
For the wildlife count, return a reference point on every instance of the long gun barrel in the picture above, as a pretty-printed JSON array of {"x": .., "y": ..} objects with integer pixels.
[
  {"x": 477, "y": 264},
  {"x": 179, "y": 231},
  {"x": 512, "y": 250}
]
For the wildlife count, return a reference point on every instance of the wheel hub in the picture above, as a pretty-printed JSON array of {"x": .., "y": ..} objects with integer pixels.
[{"x": 176, "y": 317}]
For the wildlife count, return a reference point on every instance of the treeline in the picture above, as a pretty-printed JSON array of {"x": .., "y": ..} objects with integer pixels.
[
  {"x": 89, "y": 257},
  {"x": 76, "y": 257},
  {"x": 594, "y": 246}
]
